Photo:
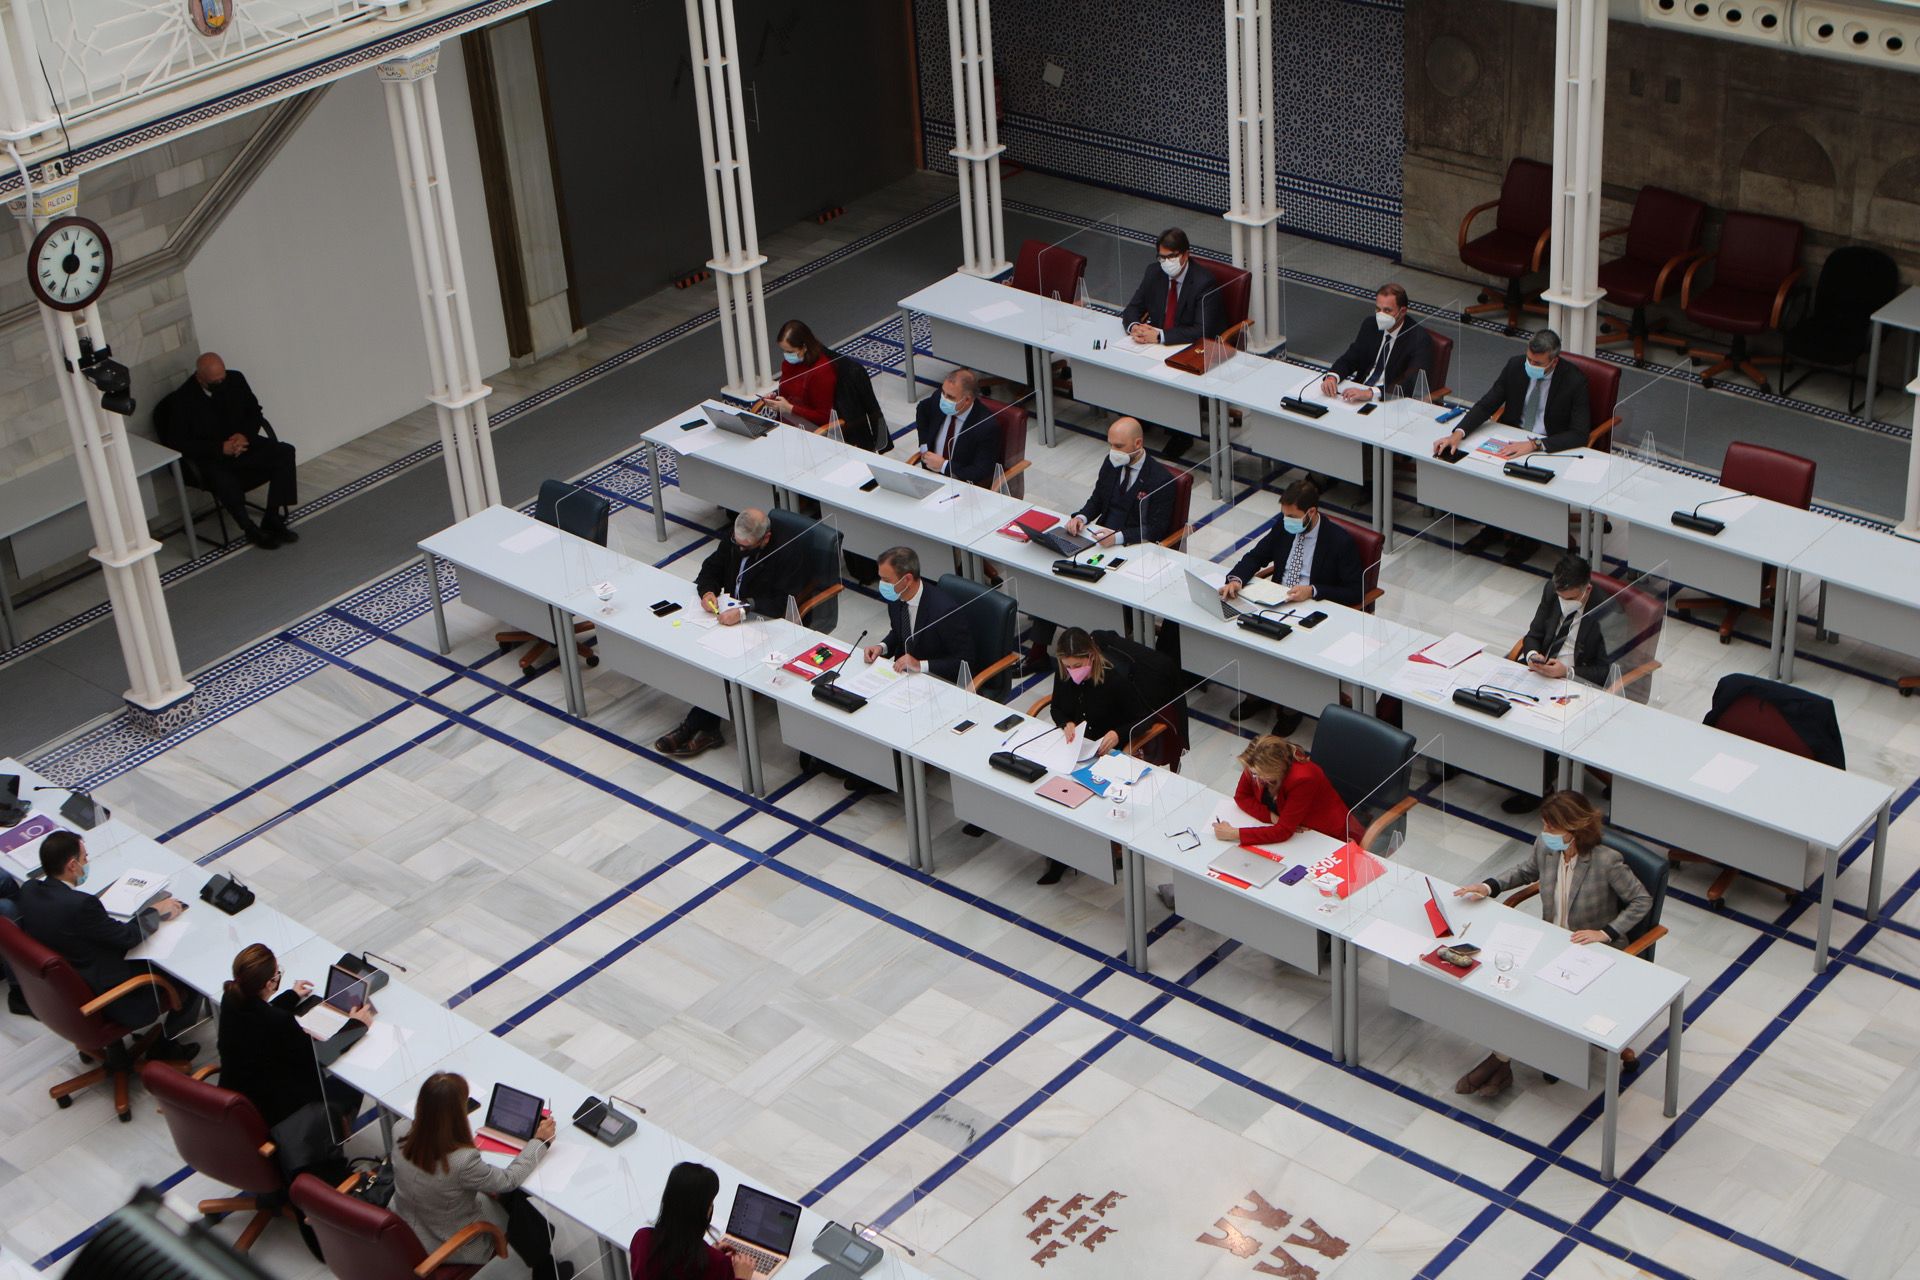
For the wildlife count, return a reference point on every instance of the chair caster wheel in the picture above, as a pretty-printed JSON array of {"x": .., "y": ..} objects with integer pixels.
[
  {"x": 1465, "y": 318},
  {"x": 126, "y": 1117},
  {"x": 63, "y": 1103},
  {"x": 1906, "y": 693},
  {"x": 594, "y": 661},
  {"x": 1726, "y": 639},
  {"x": 1706, "y": 384},
  {"x": 1716, "y": 904}
]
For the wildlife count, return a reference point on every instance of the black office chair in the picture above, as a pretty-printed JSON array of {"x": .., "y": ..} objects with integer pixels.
[
  {"x": 166, "y": 431},
  {"x": 577, "y": 510},
  {"x": 1370, "y": 763},
  {"x": 819, "y": 546},
  {"x": 991, "y": 634},
  {"x": 1855, "y": 282}
]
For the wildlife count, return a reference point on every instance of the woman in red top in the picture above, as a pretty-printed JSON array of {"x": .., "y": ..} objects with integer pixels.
[
  {"x": 806, "y": 376},
  {"x": 1285, "y": 791},
  {"x": 675, "y": 1247}
]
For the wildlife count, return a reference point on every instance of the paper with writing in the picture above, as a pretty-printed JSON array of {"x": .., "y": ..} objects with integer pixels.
[{"x": 1576, "y": 967}]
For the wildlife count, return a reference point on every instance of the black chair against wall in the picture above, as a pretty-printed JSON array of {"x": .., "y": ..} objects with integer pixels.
[
  {"x": 577, "y": 510},
  {"x": 166, "y": 431},
  {"x": 1370, "y": 763},
  {"x": 1855, "y": 282},
  {"x": 819, "y": 546},
  {"x": 992, "y": 637}
]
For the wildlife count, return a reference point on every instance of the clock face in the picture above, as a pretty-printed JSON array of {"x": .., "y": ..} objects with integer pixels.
[{"x": 69, "y": 264}]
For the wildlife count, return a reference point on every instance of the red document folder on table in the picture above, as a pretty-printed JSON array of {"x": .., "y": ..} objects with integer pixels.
[
  {"x": 1437, "y": 915},
  {"x": 815, "y": 660},
  {"x": 1458, "y": 971},
  {"x": 1352, "y": 866},
  {"x": 1034, "y": 521}
]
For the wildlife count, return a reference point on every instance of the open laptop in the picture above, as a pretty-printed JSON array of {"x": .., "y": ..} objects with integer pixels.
[
  {"x": 512, "y": 1116},
  {"x": 12, "y": 807},
  {"x": 761, "y": 1229},
  {"x": 322, "y": 1015},
  {"x": 1207, "y": 596},
  {"x": 1059, "y": 541},
  {"x": 911, "y": 483},
  {"x": 750, "y": 425}
]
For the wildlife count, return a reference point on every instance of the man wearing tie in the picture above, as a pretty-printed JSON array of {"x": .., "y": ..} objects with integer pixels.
[
  {"x": 1565, "y": 613},
  {"x": 1176, "y": 303},
  {"x": 1387, "y": 354},
  {"x": 1550, "y": 397},
  {"x": 958, "y": 437},
  {"x": 925, "y": 629}
]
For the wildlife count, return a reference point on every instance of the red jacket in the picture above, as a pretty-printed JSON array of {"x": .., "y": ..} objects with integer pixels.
[
  {"x": 1306, "y": 799},
  {"x": 810, "y": 389},
  {"x": 717, "y": 1268}
]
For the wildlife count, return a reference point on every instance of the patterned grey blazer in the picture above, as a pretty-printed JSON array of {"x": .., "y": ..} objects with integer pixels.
[{"x": 1606, "y": 893}]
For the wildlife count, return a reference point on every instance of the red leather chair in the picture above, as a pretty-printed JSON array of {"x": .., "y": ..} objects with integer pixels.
[
  {"x": 1773, "y": 474},
  {"x": 1049, "y": 270},
  {"x": 220, "y": 1133},
  {"x": 1236, "y": 295},
  {"x": 1437, "y": 388},
  {"x": 1635, "y": 638},
  {"x": 1754, "y": 271},
  {"x": 1518, "y": 242},
  {"x": 1182, "y": 508},
  {"x": 66, "y": 1006},
  {"x": 1371, "y": 545},
  {"x": 1663, "y": 236},
  {"x": 1603, "y": 392},
  {"x": 1012, "y": 421},
  {"x": 362, "y": 1241}
]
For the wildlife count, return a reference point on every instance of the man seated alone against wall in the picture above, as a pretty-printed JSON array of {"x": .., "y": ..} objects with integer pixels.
[{"x": 217, "y": 423}]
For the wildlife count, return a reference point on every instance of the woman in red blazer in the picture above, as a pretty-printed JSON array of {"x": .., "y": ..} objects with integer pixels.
[
  {"x": 807, "y": 376},
  {"x": 1285, "y": 791}
]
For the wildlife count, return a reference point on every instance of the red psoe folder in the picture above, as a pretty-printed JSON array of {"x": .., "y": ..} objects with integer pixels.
[{"x": 1436, "y": 914}]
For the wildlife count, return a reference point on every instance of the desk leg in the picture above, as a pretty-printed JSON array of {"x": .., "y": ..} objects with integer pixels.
[
  {"x": 6, "y": 612},
  {"x": 1214, "y": 414},
  {"x": 569, "y": 661},
  {"x": 1676, "y": 1020},
  {"x": 1790, "y": 627},
  {"x": 386, "y": 1129},
  {"x": 922, "y": 811},
  {"x": 613, "y": 1262},
  {"x": 1383, "y": 495},
  {"x": 1337, "y": 999},
  {"x": 1877, "y": 869},
  {"x": 652, "y": 451},
  {"x": 1040, "y": 370},
  {"x": 1352, "y": 1016},
  {"x": 432, "y": 565},
  {"x": 186, "y": 512},
  {"x": 1610, "y": 1122},
  {"x": 1828, "y": 880},
  {"x": 1873, "y": 370},
  {"x": 1132, "y": 876},
  {"x": 906, "y": 359}
]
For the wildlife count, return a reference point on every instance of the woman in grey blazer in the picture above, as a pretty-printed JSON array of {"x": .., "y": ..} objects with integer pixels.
[
  {"x": 440, "y": 1183},
  {"x": 1585, "y": 888}
]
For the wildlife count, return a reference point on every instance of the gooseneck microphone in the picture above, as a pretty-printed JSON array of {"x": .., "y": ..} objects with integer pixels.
[{"x": 1704, "y": 524}]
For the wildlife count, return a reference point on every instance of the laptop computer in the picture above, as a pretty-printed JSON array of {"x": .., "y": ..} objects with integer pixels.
[
  {"x": 1207, "y": 596},
  {"x": 911, "y": 483},
  {"x": 322, "y": 1015},
  {"x": 512, "y": 1116},
  {"x": 761, "y": 1229},
  {"x": 12, "y": 807},
  {"x": 1253, "y": 869},
  {"x": 1059, "y": 541},
  {"x": 750, "y": 425}
]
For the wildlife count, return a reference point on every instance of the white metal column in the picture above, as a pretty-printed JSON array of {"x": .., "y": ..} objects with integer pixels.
[
  {"x": 1580, "y": 91},
  {"x": 453, "y": 361},
  {"x": 976, "y": 137},
  {"x": 737, "y": 259},
  {"x": 1251, "y": 175}
]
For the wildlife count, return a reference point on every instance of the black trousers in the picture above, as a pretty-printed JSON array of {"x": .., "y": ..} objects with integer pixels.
[
  {"x": 529, "y": 1234},
  {"x": 700, "y": 720},
  {"x": 268, "y": 462}
]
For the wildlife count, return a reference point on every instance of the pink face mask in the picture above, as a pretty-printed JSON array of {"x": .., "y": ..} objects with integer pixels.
[{"x": 1079, "y": 674}]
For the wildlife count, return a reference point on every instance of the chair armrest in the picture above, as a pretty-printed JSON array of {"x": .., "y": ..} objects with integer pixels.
[
  {"x": 1436, "y": 397},
  {"x": 211, "y": 1069},
  {"x": 806, "y": 606},
  {"x": 1686, "y": 281},
  {"x": 1039, "y": 706},
  {"x": 1366, "y": 601},
  {"x": 913, "y": 459},
  {"x": 1153, "y": 731},
  {"x": 1593, "y": 436},
  {"x": 1232, "y": 331},
  {"x": 1645, "y": 940},
  {"x": 354, "y": 1179},
  {"x": 1639, "y": 673},
  {"x": 1178, "y": 536},
  {"x": 1540, "y": 247},
  {"x": 1672, "y": 265},
  {"x": 995, "y": 669},
  {"x": 1617, "y": 231},
  {"x": 827, "y": 426},
  {"x": 1515, "y": 899},
  {"x": 1473, "y": 213},
  {"x": 1780, "y": 296},
  {"x": 472, "y": 1230},
  {"x": 267, "y": 1149},
  {"x": 1513, "y": 654},
  {"x": 1012, "y": 471},
  {"x": 1380, "y": 825},
  {"x": 101, "y": 1001}
]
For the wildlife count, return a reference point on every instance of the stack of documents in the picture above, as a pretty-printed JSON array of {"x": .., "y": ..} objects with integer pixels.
[{"x": 126, "y": 896}]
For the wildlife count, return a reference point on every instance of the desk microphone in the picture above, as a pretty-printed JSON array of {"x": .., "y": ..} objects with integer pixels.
[
  {"x": 1260, "y": 624},
  {"x": 1011, "y": 761},
  {"x": 1074, "y": 567},
  {"x": 1522, "y": 468},
  {"x": 371, "y": 956},
  {"x": 1305, "y": 408},
  {"x": 826, "y": 685},
  {"x": 1481, "y": 698},
  {"x": 1704, "y": 524}
]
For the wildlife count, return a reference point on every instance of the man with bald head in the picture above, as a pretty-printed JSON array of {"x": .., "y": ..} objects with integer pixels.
[{"x": 214, "y": 419}]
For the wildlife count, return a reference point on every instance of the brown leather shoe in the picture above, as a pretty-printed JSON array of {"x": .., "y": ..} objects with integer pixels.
[
  {"x": 1471, "y": 1081},
  {"x": 1499, "y": 1082}
]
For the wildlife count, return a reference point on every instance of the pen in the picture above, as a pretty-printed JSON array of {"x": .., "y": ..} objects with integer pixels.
[{"x": 949, "y": 498}]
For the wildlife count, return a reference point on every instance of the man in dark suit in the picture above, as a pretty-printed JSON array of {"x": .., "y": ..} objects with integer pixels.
[
  {"x": 214, "y": 419},
  {"x": 1540, "y": 395},
  {"x": 958, "y": 437},
  {"x": 1132, "y": 498},
  {"x": 745, "y": 573},
  {"x": 1565, "y": 612},
  {"x": 56, "y": 913},
  {"x": 1176, "y": 303},
  {"x": 1313, "y": 558},
  {"x": 1386, "y": 355},
  {"x": 925, "y": 629}
]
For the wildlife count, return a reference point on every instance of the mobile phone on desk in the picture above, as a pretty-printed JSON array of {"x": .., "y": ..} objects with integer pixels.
[
  {"x": 963, "y": 726},
  {"x": 1294, "y": 874},
  {"x": 689, "y": 426},
  {"x": 1369, "y": 407},
  {"x": 1116, "y": 562},
  {"x": 1312, "y": 620}
]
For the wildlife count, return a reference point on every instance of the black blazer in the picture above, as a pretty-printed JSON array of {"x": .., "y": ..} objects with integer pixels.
[
  {"x": 1115, "y": 705},
  {"x": 1547, "y": 635},
  {"x": 1336, "y": 573},
  {"x": 1567, "y": 417},
  {"x": 268, "y": 1057},
  {"x": 940, "y": 641},
  {"x": 72, "y": 922},
  {"x": 198, "y": 423},
  {"x": 1122, "y": 511},
  {"x": 772, "y": 578},
  {"x": 1411, "y": 353},
  {"x": 975, "y": 449},
  {"x": 1198, "y": 308}
]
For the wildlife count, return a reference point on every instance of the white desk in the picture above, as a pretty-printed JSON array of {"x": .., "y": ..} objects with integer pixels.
[
  {"x": 1869, "y": 587},
  {"x": 1902, "y": 313}
]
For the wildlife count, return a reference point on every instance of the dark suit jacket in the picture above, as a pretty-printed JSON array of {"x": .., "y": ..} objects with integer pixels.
[
  {"x": 1336, "y": 573},
  {"x": 1411, "y": 353},
  {"x": 198, "y": 423},
  {"x": 975, "y": 449},
  {"x": 72, "y": 922},
  {"x": 267, "y": 1056},
  {"x": 1198, "y": 312},
  {"x": 772, "y": 578},
  {"x": 1122, "y": 511},
  {"x": 1589, "y": 647},
  {"x": 940, "y": 640},
  {"x": 1567, "y": 417}
]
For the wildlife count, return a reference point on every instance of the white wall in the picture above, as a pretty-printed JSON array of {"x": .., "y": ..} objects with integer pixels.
[{"x": 307, "y": 286}]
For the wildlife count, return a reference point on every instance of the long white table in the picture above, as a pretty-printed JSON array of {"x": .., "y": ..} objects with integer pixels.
[{"x": 1869, "y": 587}]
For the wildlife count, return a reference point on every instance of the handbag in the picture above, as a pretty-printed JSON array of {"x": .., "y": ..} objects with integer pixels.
[
  {"x": 305, "y": 1141},
  {"x": 377, "y": 1186}
]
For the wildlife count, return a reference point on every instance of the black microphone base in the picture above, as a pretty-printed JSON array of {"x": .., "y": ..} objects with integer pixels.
[
  {"x": 1521, "y": 471},
  {"x": 1075, "y": 569},
  {"x": 830, "y": 692},
  {"x": 1305, "y": 408},
  {"x": 1699, "y": 524},
  {"x": 1484, "y": 703},
  {"x": 1267, "y": 627},
  {"x": 1019, "y": 766}
]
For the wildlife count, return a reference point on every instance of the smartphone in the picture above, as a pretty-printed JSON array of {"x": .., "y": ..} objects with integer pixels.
[
  {"x": 666, "y": 607},
  {"x": 1451, "y": 456},
  {"x": 1312, "y": 620},
  {"x": 473, "y": 1105},
  {"x": 697, "y": 422},
  {"x": 870, "y": 486},
  {"x": 963, "y": 726},
  {"x": 1116, "y": 562},
  {"x": 1294, "y": 874},
  {"x": 1010, "y": 722},
  {"x": 1369, "y": 407}
]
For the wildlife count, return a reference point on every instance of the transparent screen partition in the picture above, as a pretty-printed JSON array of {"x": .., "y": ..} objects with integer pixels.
[{"x": 1083, "y": 279}]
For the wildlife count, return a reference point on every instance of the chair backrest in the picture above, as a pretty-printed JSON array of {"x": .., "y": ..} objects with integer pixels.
[
  {"x": 1526, "y": 198},
  {"x": 1182, "y": 498},
  {"x": 1631, "y": 628},
  {"x": 358, "y": 1240},
  {"x": 1049, "y": 270},
  {"x": 1236, "y": 292},
  {"x": 819, "y": 549},
  {"x": 1650, "y": 869},
  {"x": 54, "y": 992},
  {"x": 1442, "y": 359},
  {"x": 1368, "y": 761},
  {"x": 1371, "y": 545},
  {"x": 1752, "y": 717},
  {"x": 1665, "y": 224},
  {"x": 1161, "y": 684},
  {"x": 1773, "y": 474},
  {"x": 1011, "y": 419},
  {"x": 1603, "y": 391},
  {"x": 217, "y": 1131},
  {"x": 989, "y": 629},
  {"x": 1757, "y": 251},
  {"x": 1855, "y": 282},
  {"x": 573, "y": 509},
  {"x": 861, "y": 422}
]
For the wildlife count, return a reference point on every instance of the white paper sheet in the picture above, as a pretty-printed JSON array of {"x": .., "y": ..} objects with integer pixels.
[
  {"x": 1583, "y": 467},
  {"x": 1576, "y": 967},
  {"x": 1423, "y": 680},
  {"x": 906, "y": 695},
  {"x": 1123, "y": 769},
  {"x": 557, "y": 1168},
  {"x": 1146, "y": 350},
  {"x": 1383, "y": 937},
  {"x": 730, "y": 642},
  {"x": 694, "y": 440},
  {"x": 868, "y": 680},
  {"x": 378, "y": 1046},
  {"x": 1263, "y": 591},
  {"x": 1723, "y": 773},
  {"x": 159, "y": 944},
  {"x": 1515, "y": 941},
  {"x": 529, "y": 538},
  {"x": 132, "y": 891},
  {"x": 849, "y": 475},
  {"x": 1057, "y": 755},
  {"x": 1451, "y": 650},
  {"x": 996, "y": 311},
  {"x": 1351, "y": 649}
]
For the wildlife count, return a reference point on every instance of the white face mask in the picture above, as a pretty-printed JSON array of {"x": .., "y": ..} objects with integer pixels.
[
  {"x": 1119, "y": 457},
  {"x": 1570, "y": 607},
  {"x": 1385, "y": 320},
  {"x": 1171, "y": 266}
]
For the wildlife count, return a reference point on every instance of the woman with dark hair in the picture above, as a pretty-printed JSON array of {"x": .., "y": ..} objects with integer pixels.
[
  {"x": 807, "y": 376},
  {"x": 1094, "y": 695},
  {"x": 440, "y": 1183},
  {"x": 675, "y": 1247},
  {"x": 1585, "y": 887},
  {"x": 268, "y": 1058}
]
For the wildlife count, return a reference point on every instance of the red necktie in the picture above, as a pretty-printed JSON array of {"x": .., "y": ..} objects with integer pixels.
[{"x": 1173, "y": 301}]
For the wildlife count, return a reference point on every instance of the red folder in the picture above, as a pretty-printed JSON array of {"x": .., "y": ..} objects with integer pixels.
[
  {"x": 484, "y": 1143},
  {"x": 1034, "y": 521},
  {"x": 1353, "y": 866},
  {"x": 815, "y": 660},
  {"x": 1436, "y": 916},
  {"x": 1262, "y": 852},
  {"x": 1453, "y": 970}
]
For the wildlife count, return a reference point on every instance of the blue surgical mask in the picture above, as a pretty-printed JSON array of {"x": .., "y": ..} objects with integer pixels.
[
  {"x": 1557, "y": 843},
  {"x": 889, "y": 592},
  {"x": 791, "y": 357},
  {"x": 1295, "y": 525},
  {"x": 1535, "y": 372},
  {"x": 82, "y": 879},
  {"x": 948, "y": 407}
]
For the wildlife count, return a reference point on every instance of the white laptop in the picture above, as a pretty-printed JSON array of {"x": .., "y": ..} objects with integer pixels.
[{"x": 911, "y": 483}]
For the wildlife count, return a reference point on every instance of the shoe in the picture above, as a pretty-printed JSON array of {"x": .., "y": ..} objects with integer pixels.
[
  {"x": 1481, "y": 541},
  {"x": 1499, "y": 1082},
  {"x": 1519, "y": 551},
  {"x": 1550, "y": 1079},
  {"x": 263, "y": 539},
  {"x": 1165, "y": 893},
  {"x": 851, "y": 783},
  {"x": 1054, "y": 874},
  {"x": 1177, "y": 446},
  {"x": 1287, "y": 721},
  {"x": 279, "y": 529},
  {"x": 1518, "y": 803},
  {"x": 17, "y": 1004},
  {"x": 687, "y": 746},
  {"x": 973, "y": 829},
  {"x": 1250, "y": 706},
  {"x": 174, "y": 1051},
  {"x": 1471, "y": 1082},
  {"x": 1036, "y": 661}
]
